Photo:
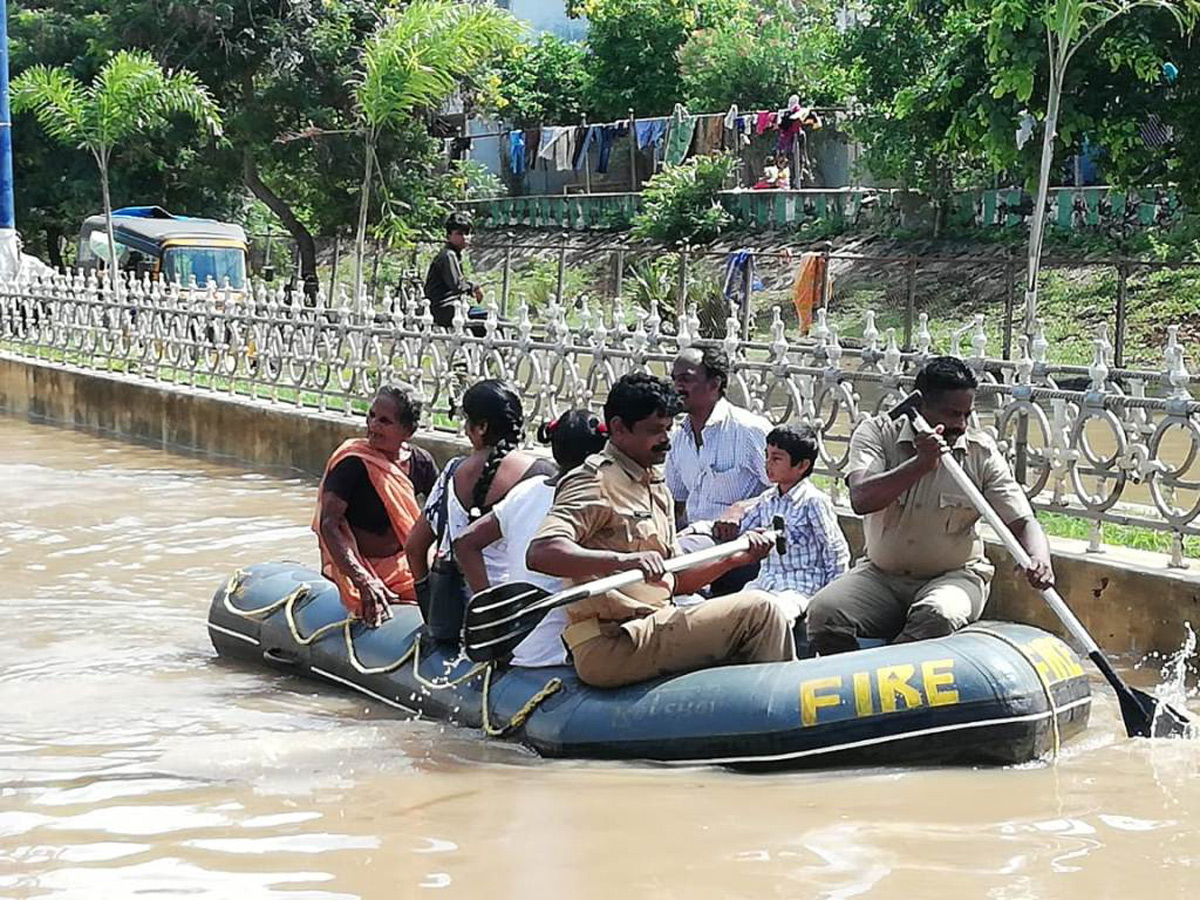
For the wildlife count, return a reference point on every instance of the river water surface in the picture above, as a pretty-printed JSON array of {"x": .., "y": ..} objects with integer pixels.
[{"x": 133, "y": 763}]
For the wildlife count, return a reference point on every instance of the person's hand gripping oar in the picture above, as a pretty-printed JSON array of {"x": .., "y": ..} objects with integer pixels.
[
  {"x": 502, "y": 616},
  {"x": 1144, "y": 715}
]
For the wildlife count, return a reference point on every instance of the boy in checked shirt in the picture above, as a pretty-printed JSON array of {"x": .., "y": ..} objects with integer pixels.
[{"x": 817, "y": 552}]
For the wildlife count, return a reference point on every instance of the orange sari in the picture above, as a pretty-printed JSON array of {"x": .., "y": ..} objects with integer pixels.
[{"x": 396, "y": 493}]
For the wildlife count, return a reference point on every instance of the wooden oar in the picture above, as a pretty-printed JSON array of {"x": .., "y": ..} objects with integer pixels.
[
  {"x": 1144, "y": 715},
  {"x": 502, "y": 616}
]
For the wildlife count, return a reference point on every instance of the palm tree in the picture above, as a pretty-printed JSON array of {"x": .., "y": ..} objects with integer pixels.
[
  {"x": 416, "y": 59},
  {"x": 130, "y": 96}
]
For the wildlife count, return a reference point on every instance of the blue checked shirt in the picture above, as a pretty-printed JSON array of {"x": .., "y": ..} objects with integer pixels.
[
  {"x": 728, "y": 467},
  {"x": 817, "y": 551}
]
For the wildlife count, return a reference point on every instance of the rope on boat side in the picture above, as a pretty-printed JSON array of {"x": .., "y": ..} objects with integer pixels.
[
  {"x": 440, "y": 685},
  {"x": 552, "y": 687},
  {"x": 1042, "y": 680}
]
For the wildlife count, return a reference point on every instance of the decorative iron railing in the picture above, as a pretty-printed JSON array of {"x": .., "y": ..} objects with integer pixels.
[{"x": 1099, "y": 443}]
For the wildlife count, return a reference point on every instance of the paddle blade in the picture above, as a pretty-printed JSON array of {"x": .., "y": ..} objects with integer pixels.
[
  {"x": 1144, "y": 715},
  {"x": 1148, "y": 716},
  {"x": 499, "y": 618}
]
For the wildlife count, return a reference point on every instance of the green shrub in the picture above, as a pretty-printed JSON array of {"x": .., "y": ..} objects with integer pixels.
[{"x": 681, "y": 202}]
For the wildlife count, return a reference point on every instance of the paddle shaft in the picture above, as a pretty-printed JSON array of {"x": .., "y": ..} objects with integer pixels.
[
  {"x": 624, "y": 579},
  {"x": 1019, "y": 553}
]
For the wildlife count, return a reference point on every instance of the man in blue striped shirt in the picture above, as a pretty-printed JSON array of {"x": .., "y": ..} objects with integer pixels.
[{"x": 817, "y": 552}]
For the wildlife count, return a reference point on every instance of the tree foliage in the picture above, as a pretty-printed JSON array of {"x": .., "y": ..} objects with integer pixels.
[
  {"x": 633, "y": 45},
  {"x": 759, "y": 55},
  {"x": 545, "y": 80}
]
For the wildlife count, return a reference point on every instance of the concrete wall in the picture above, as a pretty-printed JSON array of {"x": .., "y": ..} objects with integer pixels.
[{"x": 1128, "y": 600}]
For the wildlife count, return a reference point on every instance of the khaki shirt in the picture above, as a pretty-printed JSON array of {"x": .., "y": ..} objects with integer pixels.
[
  {"x": 930, "y": 529},
  {"x": 612, "y": 503}
]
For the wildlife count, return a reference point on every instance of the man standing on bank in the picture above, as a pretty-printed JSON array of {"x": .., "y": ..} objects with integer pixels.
[
  {"x": 718, "y": 454},
  {"x": 445, "y": 285},
  {"x": 924, "y": 574},
  {"x": 614, "y": 514}
]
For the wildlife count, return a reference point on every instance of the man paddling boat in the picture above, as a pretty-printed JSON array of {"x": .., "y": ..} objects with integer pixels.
[
  {"x": 615, "y": 513},
  {"x": 924, "y": 574}
]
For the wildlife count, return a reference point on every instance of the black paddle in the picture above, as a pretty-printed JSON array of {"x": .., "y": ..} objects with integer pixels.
[
  {"x": 1144, "y": 715},
  {"x": 502, "y": 616}
]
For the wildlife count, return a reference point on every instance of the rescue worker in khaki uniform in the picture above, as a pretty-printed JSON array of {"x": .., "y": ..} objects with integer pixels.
[
  {"x": 924, "y": 574},
  {"x": 615, "y": 513}
]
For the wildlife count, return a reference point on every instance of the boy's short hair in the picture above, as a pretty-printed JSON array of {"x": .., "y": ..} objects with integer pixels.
[
  {"x": 799, "y": 442},
  {"x": 459, "y": 221}
]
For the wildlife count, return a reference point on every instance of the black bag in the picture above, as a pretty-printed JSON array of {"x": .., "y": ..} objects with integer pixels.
[{"x": 448, "y": 594}]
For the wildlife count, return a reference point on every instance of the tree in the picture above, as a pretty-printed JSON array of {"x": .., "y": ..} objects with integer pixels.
[
  {"x": 416, "y": 59},
  {"x": 130, "y": 96},
  {"x": 633, "y": 45},
  {"x": 546, "y": 80},
  {"x": 759, "y": 56},
  {"x": 1067, "y": 25}
]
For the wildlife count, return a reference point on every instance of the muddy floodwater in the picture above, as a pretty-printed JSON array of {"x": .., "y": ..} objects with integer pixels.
[{"x": 133, "y": 763}]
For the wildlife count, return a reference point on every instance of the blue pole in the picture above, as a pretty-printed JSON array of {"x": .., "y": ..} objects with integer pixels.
[{"x": 8, "y": 219}]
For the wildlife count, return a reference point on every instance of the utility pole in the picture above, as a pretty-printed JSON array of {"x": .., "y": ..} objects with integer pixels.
[{"x": 10, "y": 253}]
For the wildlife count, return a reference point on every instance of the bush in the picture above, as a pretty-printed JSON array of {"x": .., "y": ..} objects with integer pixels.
[{"x": 681, "y": 202}]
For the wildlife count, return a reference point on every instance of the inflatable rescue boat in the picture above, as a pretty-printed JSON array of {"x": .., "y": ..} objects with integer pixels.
[{"x": 993, "y": 693}]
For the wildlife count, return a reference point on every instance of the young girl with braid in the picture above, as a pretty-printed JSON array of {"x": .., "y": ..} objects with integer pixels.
[
  {"x": 474, "y": 484},
  {"x": 506, "y": 531}
]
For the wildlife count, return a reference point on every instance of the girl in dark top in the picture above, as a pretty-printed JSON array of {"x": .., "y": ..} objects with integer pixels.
[
  {"x": 366, "y": 507},
  {"x": 494, "y": 423}
]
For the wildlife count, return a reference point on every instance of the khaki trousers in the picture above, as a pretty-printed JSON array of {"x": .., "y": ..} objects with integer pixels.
[
  {"x": 747, "y": 627},
  {"x": 868, "y": 602}
]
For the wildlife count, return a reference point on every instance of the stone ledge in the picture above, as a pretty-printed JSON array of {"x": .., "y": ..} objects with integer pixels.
[{"x": 1128, "y": 599}]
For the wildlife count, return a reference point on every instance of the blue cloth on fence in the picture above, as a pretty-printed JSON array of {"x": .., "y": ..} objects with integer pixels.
[
  {"x": 735, "y": 272},
  {"x": 608, "y": 137},
  {"x": 516, "y": 152},
  {"x": 651, "y": 131}
]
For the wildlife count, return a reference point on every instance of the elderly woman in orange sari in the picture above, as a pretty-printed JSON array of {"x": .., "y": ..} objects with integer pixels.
[{"x": 366, "y": 508}]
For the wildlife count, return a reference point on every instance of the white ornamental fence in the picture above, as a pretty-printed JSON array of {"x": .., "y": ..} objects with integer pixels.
[{"x": 1097, "y": 443}]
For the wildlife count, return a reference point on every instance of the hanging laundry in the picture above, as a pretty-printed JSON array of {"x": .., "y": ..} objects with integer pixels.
[
  {"x": 806, "y": 290},
  {"x": 679, "y": 135},
  {"x": 733, "y": 283},
  {"x": 516, "y": 152},
  {"x": 552, "y": 136},
  {"x": 583, "y": 147},
  {"x": 608, "y": 136},
  {"x": 650, "y": 132},
  {"x": 533, "y": 138},
  {"x": 764, "y": 121},
  {"x": 731, "y": 117},
  {"x": 743, "y": 127},
  {"x": 564, "y": 150}
]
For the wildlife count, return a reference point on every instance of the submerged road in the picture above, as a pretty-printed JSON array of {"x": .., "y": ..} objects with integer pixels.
[{"x": 133, "y": 763}]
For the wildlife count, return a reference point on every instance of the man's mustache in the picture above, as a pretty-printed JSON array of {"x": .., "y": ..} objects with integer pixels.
[{"x": 664, "y": 447}]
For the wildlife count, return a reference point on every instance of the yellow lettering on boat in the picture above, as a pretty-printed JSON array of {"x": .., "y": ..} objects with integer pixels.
[
  {"x": 939, "y": 682},
  {"x": 863, "y": 704},
  {"x": 1059, "y": 656},
  {"x": 893, "y": 683},
  {"x": 811, "y": 701}
]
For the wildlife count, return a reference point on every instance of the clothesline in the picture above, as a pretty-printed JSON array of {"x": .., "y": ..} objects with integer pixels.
[{"x": 626, "y": 121}]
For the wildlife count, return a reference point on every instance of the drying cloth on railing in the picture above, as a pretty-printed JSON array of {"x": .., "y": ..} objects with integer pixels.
[
  {"x": 806, "y": 290},
  {"x": 516, "y": 152},
  {"x": 735, "y": 276},
  {"x": 650, "y": 132},
  {"x": 679, "y": 135},
  {"x": 554, "y": 138},
  {"x": 608, "y": 136},
  {"x": 583, "y": 147}
]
